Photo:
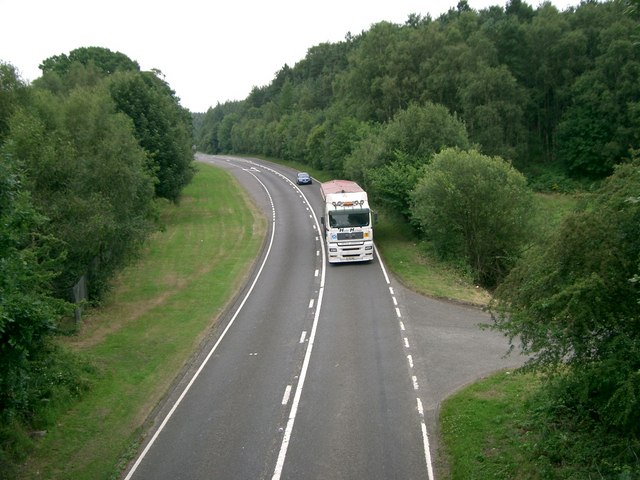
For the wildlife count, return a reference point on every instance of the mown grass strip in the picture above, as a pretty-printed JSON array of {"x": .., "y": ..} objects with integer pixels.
[
  {"x": 483, "y": 434},
  {"x": 157, "y": 314}
]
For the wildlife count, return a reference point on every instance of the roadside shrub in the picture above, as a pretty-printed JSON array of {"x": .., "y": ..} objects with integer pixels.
[{"x": 474, "y": 207}]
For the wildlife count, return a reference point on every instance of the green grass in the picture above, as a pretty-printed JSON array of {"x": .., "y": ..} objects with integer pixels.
[
  {"x": 157, "y": 314},
  {"x": 417, "y": 267},
  {"x": 483, "y": 430}
]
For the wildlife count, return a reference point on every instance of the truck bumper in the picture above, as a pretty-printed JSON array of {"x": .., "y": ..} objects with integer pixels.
[{"x": 344, "y": 252}]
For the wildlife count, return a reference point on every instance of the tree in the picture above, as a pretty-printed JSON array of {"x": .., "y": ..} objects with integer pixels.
[
  {"x": 492, "y": 104},
  {"x": 29, "y": 261},
  {"x": 600, "y": 127},
  {"x": 575, "y": 303},
  {"x": 89, "y": 175},
  {"x": 106, "y": 61},
  {"x": 475, "y": 208},
  {"x": 162, "y": 127},
  {"x": 12, "y": 93},
  {"x": 403, "y": 146}
]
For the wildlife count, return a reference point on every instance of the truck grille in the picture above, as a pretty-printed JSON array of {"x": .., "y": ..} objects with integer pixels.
[{"x": 350, "y": 236}]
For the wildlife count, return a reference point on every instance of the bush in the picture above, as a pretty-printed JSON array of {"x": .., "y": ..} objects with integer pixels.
[
  {"x": 576, "y": 302},
  {"x": 474, "y": 207}
]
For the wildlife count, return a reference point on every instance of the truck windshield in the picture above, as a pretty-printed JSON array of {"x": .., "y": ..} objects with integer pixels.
[{"x": 349, "y": 218}]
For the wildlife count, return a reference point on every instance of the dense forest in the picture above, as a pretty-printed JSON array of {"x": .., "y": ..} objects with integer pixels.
[
  {"x": 87, "y": 152},
  {"x": 549, "y": 91}
]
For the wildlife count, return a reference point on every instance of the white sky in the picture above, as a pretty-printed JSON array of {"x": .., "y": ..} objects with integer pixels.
[{"x": 209, "y": 51}]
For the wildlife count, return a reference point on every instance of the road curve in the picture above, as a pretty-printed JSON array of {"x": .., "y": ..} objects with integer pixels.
[{"x": 317, "y": 371}]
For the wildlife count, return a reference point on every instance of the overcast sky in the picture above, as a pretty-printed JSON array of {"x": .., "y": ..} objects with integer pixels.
[{"x": 209, "y": 51}]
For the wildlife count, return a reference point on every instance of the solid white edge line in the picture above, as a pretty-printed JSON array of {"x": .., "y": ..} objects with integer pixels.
[
  {"x": 425, "y": 441},
  {"x": 213, "y": 349}
]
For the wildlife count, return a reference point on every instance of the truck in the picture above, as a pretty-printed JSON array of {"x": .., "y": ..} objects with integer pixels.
[{"x": 347, "y": 222}]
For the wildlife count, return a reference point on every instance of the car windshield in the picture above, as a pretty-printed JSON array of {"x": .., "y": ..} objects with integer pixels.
[
  {"x": 349, "y": 218},
  {"x": 303, "y": 175}
]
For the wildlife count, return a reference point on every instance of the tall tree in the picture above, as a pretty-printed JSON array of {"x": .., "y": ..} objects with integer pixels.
[
  {"x": 89, "y": 175},
  {"x": 162, "y": 127}
]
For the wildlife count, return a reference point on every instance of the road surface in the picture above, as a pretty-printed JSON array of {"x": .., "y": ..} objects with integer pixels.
[{"x": 316, "y": 371}]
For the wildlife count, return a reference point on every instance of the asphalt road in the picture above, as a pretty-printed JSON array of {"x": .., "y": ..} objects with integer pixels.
[{"x": 316, "y": 371}]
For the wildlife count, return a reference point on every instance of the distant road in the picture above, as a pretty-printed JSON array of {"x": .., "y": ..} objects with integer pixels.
[{"x": 317, "y": 371}]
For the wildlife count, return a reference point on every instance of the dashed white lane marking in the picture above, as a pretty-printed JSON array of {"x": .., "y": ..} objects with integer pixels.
[
  {"x": 287, "y": 394},
  {"x": 316, "y": 274},
  {"x": 284, "y": 446},
  {"x": 311, "y": 302},
  {"x": 303, "y": 336},
  {"x": 414, "y": 378}
]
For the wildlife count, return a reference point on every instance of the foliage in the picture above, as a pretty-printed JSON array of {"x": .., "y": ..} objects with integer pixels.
[
  {"x": 602, "y": 121},
  {"x": 474, "y": 207},
  {"x": 162, "y": 127},
  {"x": 391, "y": 185},
  {"x": 76, "y": 197},
  {"x": 576, "y": 303},
  {"x": 534, "y": 86},
  {"x": 106, "y": 61},
  {"x": 13, "y": 92},
  {"x": 89, "y": 176},
  {"x": 29, "y": 261},
  {"x": 412, "y": 137}
]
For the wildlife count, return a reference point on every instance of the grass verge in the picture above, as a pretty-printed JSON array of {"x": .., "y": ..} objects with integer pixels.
[
  {"x": 483, "y": 433},
  {"x": 157, "y": 314}
]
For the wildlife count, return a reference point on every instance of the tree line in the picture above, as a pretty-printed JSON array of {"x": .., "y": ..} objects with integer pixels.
[
  {"x": 87, "y": 152},
  {"x": 537, "y": 87},
  {"x": 452, "y": 123}
]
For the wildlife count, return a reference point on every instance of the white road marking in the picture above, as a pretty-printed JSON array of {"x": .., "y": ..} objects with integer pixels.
[
  {"x": 414, "y": 380},
  {"x": 213, "y": 349},
  {"x": 423, "y": 425},
  {"x": 287, "y": 393},
  {"x": 311, "y": 302},
  {"x": 303, "y": 336},
  {"x": 425, "y": 441},
  {"x": 284, "y": 446}
]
